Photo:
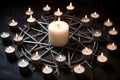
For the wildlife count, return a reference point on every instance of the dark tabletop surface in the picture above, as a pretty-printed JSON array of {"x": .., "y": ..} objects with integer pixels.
[{"x": 16, "y": 9}]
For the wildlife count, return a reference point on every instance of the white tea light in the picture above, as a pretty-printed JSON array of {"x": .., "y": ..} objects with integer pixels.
[
  {"x": 113, "y": 31},
  {"x": 10, "y": 49},
  {"x": 47, "y": 8},
  {"x": 79, "y": 69},
  {"x": 13, "y": 23},
  {"x": 58, "y": 33},
  {"x": 108, "y": 23},
  {"x": 102, "y": 58},
  {"x": 112, "y": 46},
  {"x": 47, "y": 69},
  {"x": 60, "y": 58},
  {"x": 97, "y": 33},
  {"x": 23, "y": 63},
  {"x": 58, "y": 12},
  {"x": 29, "y": 11},
  {"x": 86, "y": 51},
  {"x": 95, "y": 15},
  {"x": 85, "y": 19},
  {"x": 18, "y": 38},
  {"x": 5, "y": 35},
  {"x": 70, "y": 6},
  {"x": 31, "y": 19},
  {"x": 35, "y": 56}
]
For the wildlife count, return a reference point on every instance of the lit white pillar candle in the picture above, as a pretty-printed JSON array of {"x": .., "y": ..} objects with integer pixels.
[
  {"x": 102, "y": 58},
  {"x": 29, "y": 12},
  {"x": 79, "y": 69},
  {"x": 47, "y": 69},
  {"x": 85, "y": 19},
  {"x": 113, "y": 31},
  {"x": 58, "y": 12},
  {"x": 5, "y": 37},
  {"x": 86, "y": 51},
  {"x": 95, "y": 15},
  {"x": 70, "y": 7},
  {"x": 108, "y": 23},
  {"x": 58, "y": 33},
  {"x": 47, "y": 8},
  {"x": 18, "y": 39},
  {"x": 111, "y": 46}
]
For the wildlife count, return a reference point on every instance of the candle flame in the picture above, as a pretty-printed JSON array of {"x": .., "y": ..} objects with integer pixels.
[
  {"x": 23, "y": 60},
  {"x": 4, "y": 33},
  {"x": 95, "y": 13},
  {"x": 47, "y": 6},
  {"x": 60, "y": 56},
  {"x": 86, "y": 17},
  {"x": 16, "y": 35},
  {"x": 29, "y": 9},
  {"x": 102, "y": 54},
  {"x": 108, "y": 20},
  {"x": 70, "y": 4},
  {"x": 46, "y": 67},
  {"x": 113, "y": 29},
  {"x": 58, "y": 10},
  {"x": 31, "y": 16},
  {"x": 9, "y": 47},
  {"x": 113, "y": 44},
  {"x": 86, "y": 48},
  {"x": 13, "y": 20},
  {"x": 36, "y": 53}
]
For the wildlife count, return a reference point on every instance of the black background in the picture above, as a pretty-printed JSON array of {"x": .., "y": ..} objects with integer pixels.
[{"x": 16, "y": 8}]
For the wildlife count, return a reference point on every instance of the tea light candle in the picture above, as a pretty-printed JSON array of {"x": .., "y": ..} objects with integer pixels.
[
  {"x": 86, "y": 51},
  {"x": 14, "y": 26},
  {"x": 31, "y": 19},
  {"x": 70, "y": 7},
  {"x": 79, "y": 69},
  {"x": 58, "y": 33},
  {"x": 47, "y": 69},
  {"x": 60, "y": 59},
  {"x": 29, "y": 12},
  {"x": 95, "y": 15},
  {"x": 10, "y": 49},
  {"x": 111, "y": 46},
  {"x": 5, "y": 37},
  {"x": 113, "y": 31},
  {"x": 58, "y": 12},
  {"x": 18, "y": 39},
  {"x": 47, "y": 8},
  {"x": 85, "y": 19},
  {"x": 10, "y": 53},
  {"x": 97, "y": 33},
  {"x": 102, "y": 58},
  {"x": 23, "y": 65},
  {"x": 108, "y": 23}
]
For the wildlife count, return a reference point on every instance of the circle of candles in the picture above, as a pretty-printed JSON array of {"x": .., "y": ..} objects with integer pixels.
[
  {"x": 47, "y": 8},
  {"x": 14, "y": 26},
  {"x": 23, "y": 65},
  {"x": 60, "y": 59},
  {"x": 108, "y": 23},
  {"x": 10, "y": 52},
  {"x": 29, "y": 12},
  {"x": 36, "y": 58},
  {"x": 113, "y": 31},
  {"x": 18, "y": 39},
  {"x": 58, "y": 12},
  {"x": 95, "y": 15},
  {"x": 87, "y": 53},
  {"x": 5, "y": 36},
  {"x": 58, "y": 32},
  {"x": 111, "y": 46},
  {"x": 102, "y": 58},
  {"x": 70, "y": 8}
]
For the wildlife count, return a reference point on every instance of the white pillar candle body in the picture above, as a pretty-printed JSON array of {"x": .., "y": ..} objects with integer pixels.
[{"x": 58, "y": 32}]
